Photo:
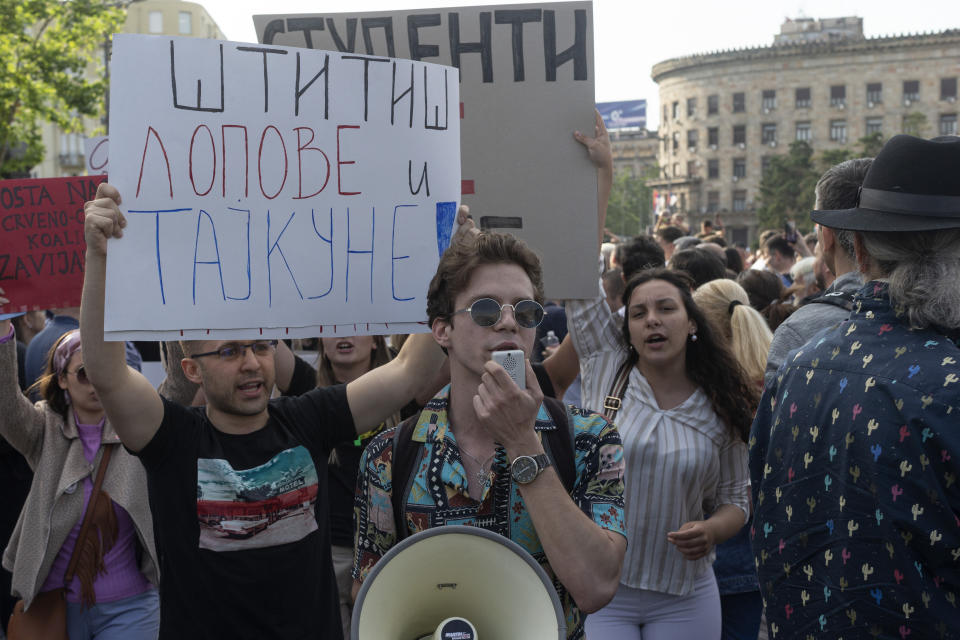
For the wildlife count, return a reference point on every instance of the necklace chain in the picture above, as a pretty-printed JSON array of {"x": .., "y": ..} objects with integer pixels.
[{"x": 482, "y": 475}]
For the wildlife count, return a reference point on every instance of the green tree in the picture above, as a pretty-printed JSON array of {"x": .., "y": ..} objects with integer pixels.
[
  {"x": 915, "y": 124},
  {"x": 47, "y": 48},
  {"x": 786, "y": 189},
  {"x": 629, "y": 209},
  {"x": 870, "y": 145}
]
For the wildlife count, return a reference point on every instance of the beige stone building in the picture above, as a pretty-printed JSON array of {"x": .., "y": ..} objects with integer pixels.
[
  {"x": 725, "y": 114},
  {"x": 65, "y": 155},
  {"x": 634, "y": 150}
]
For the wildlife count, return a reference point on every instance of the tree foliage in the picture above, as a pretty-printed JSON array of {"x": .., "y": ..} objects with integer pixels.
[
  {"x": 787, "y": 187},
  {"x": 630, "y": 206},
  {"x": 786, "y": 190},
  {"x": 47, "y": 48}
]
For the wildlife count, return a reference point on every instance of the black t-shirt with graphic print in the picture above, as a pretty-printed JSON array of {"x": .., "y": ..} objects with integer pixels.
[{"x": 243, "y": 540}]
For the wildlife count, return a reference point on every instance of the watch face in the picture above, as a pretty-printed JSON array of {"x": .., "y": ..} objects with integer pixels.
[{"x": 524, "y": 469}]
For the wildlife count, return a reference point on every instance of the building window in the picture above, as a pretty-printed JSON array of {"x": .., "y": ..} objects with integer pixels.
[
  {"x": 764, "y": 164},
  {"x": 692, "y": 137},
  {"x": 186, "y": 23},
  {"x": 911, "y": 91},
  {"x": 739, "y": 168},
  {"x": 713, "y": 105},
  {"x": 948, "y": 89},
  {"x": 740, "y": 134},
  {"x": 675, "y": 109},
  {"x": 802, "y": 98},
  {"x": 874, "y": 125},
  {"x": 713, "y": 137},
  {"x": 838, "y": 95},
  {"x": 713, "y": 169},
  {"x": 691, "y": 168},
  {"x": 691, "y": 107},
  {"x": 156, "y": 22},
  {"x": 769, "y": 100},
  {"x": 804, "y": 131},
  {"x": 838, "y": 130},
  {"x": 874, "y": 93},
  {"x": 739, "y": 102},
  {"x": 676, "y": 140},
  {"x": 676, "y": 169},
  {"x": 713, "y": 201},
  {"x": 948, "y": 124},
  {"x": 740, "y": 200},
  {"x": 665, "y": 114},
  {"x": 768, "y": 134}
]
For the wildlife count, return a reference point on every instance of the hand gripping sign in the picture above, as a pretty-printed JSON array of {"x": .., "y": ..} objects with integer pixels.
[{"x": 276, "y": 191}]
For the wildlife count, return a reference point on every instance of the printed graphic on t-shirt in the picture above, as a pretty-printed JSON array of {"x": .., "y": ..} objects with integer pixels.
[{"x": 265, "y": 506}]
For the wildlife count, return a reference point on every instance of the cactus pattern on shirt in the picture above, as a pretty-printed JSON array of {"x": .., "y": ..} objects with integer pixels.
[{"x": 854, "y": 457}]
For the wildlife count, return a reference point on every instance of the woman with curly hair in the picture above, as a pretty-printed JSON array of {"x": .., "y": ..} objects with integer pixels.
[
  {"x": 108, "y": 576},
  {"x": 684, "y": 425}
]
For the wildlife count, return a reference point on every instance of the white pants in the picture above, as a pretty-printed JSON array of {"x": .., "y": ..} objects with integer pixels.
[{"x": 638, "y": 614}]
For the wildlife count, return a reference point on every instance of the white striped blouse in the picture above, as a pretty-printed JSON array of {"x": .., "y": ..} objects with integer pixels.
[{"x": 680, "y": 464}]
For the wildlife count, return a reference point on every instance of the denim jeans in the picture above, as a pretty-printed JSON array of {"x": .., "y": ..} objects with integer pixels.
[{"x": 133, "y": 618}]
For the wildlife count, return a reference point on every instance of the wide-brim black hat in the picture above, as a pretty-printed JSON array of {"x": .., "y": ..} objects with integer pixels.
[{"x": 912, "y": 185}]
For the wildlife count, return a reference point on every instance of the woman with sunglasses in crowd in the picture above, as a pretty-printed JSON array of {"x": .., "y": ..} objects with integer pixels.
[
  {"x": 678, "y": 398},
  {"x": 110, "y": 593}
]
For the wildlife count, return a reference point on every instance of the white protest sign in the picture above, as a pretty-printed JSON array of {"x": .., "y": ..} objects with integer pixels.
[
  {"x": 96, "y": 153},
  {"x": 273, "y": 191},
  {"x": 527, "y": 83}
]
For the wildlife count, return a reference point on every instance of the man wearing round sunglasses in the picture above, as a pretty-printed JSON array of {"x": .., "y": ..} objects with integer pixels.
[
  {"x": 238, "y": 487},
  {"x": 489, "y": 435}
]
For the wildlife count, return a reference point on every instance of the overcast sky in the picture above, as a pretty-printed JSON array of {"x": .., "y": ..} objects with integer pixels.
[{"x": 631, "y": 36}]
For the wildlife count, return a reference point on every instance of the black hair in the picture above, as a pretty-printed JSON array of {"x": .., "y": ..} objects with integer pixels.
[
  {"x": 709, "y": 363},
  {"x": 700, "y": 264},
  {"x": 734, "y": 259},
  {"x": 780, "y": 245},
  {"x": 639, "y": 253},
  {"x": 669, "y": 233}
]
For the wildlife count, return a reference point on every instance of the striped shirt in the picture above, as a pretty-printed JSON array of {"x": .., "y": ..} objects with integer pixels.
[{"x": 680, "y": 464}]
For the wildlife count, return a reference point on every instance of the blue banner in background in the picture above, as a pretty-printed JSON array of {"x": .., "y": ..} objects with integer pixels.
[{"x": 623, "y": 114}]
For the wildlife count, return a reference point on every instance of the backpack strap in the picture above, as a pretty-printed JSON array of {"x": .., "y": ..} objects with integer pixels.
[
  {"x": 402, "y": 468},
  {"x": 559, "y": 443}
]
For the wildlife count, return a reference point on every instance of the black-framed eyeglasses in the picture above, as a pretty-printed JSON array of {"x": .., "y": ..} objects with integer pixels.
[
  {"x": 81, "y": 373},
  {"x": 235, "y": 350},
  {"x": 485, "y": 312}
]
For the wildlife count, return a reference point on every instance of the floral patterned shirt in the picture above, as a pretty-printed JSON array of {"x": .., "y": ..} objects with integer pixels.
[
  {"x": 854, "y": 456},
  {"x": 441, "y": 497}
]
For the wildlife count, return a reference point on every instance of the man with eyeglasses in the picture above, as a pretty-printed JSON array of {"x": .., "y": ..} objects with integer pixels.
[
  {"x": 487, "y": 440},
  {"x": 237, "y": 488}
]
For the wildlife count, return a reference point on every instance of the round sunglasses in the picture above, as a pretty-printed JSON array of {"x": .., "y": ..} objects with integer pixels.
[{"x": 485, "y": 312}]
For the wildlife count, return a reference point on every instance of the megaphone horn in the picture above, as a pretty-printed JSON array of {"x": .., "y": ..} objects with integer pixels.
[{"x": 457, "y": 572}]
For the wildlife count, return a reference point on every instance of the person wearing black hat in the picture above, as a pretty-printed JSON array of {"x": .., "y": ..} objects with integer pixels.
[{"x": 855, "y": 453}]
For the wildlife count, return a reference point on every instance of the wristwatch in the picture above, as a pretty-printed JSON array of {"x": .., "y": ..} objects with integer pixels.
[{"x": 525, "y": 469}]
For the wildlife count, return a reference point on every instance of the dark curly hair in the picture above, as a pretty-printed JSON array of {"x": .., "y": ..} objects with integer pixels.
[
  {"x": 709, "y": 363},
  {"x": 467, "y": 253}
]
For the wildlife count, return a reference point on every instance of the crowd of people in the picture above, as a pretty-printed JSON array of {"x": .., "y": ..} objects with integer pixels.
[{"x": 748, "y": 435}]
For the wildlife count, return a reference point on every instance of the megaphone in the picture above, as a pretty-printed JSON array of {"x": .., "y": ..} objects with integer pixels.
[{"x": 457, "y": 572}]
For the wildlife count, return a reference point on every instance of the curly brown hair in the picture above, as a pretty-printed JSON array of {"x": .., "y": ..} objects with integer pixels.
[{"x": 464, "y": 255}]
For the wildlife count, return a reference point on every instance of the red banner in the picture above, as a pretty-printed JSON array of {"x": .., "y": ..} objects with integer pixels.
[{"x": 42, "y": 252}]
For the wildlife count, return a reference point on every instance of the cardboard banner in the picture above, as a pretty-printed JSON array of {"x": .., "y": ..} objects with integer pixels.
[
  {"x": 96, "y": 153},
  {"x": 43, "y": 251},
  {"x": 527, "y": 83},
  {"x": 273, "y": 191}
]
